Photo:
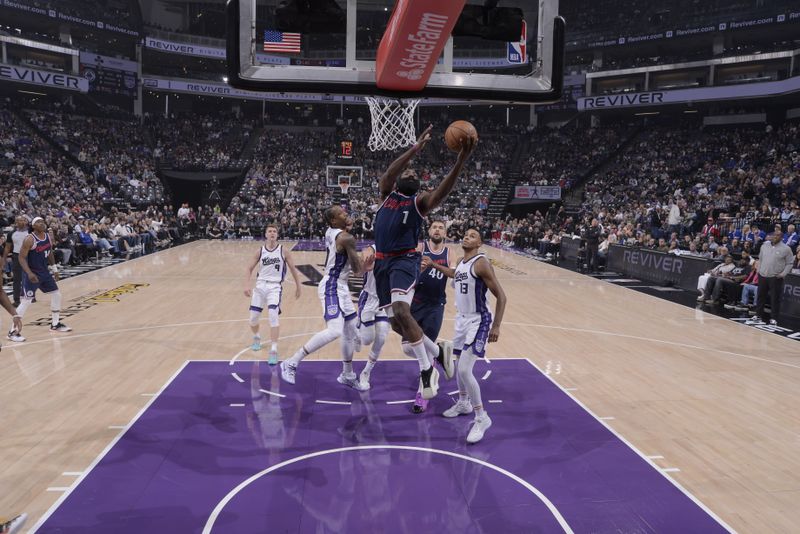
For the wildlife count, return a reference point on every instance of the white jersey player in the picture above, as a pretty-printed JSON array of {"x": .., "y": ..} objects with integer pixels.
[
  {"x": 474, "y": 327},
  {"x": 334, "y": 294},
  {"x": 272, "y": 261},
  {"x": 373, "y": 322}
]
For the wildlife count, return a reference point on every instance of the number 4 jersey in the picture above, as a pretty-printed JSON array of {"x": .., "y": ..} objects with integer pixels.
[{"x": 273, "y": 265}]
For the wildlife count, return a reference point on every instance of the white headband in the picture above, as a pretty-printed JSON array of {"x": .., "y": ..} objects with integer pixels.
[{"x": 36, "y": 219}]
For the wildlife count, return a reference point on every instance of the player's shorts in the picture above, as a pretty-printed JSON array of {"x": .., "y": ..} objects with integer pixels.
[
  {"x": 397, "y": 274},
  {"x": 472, "y": 331},
  {"x": 368, "y": 311},
  {"x": 429, "y": 317},
  {"x": 335, "y": 299},
  {"x": 46, "y": 283},
  {"x": 266, "y": 295}
]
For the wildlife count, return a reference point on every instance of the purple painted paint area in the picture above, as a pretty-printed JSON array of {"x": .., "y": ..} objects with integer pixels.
[
  {"x": 307, "y": 245},
  {"x": 191, "y": 448}
]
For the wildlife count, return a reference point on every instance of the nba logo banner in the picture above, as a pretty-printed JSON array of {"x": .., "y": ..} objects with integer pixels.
[{"x": 518, "y": 52}]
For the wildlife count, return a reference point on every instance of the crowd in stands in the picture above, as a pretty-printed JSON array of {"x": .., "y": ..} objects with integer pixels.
[
  {"x": 679, "y": 189},
  {"x": 287, "y": 182},
  {"x": 210, "y": 142},
  {"x": 562, "y": 156},
  {"x": 686, "y": 191},
  {"x": 76, "y": 196},
  {"x": 113, "y": 151}
]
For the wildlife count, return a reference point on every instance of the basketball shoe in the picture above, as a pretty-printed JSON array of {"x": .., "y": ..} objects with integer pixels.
[
  {"x": 479, "y": 427},
  {"x": 462, "y": 407}
]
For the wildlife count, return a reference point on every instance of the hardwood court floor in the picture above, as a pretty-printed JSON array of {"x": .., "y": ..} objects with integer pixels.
[{"x": 711, "y": 398}]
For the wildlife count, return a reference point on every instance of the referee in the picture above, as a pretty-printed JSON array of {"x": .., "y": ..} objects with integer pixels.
[{"x": 13, "y": 246}]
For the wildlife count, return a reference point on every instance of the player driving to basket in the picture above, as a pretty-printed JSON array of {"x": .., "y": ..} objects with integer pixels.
[{"x": 398, "y": 226}]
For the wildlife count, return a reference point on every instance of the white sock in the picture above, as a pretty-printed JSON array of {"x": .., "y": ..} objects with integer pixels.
[
  {"x": 24, "y": 304},
  {"x": 274, "y": 346},
  {"x": 431, "y": 347},
  {"x": 421, "y": 355},
  {"x": 55, "y": 317},
  {"x": 347, "y": 368},
  {"x": 467, "y": 380},
  {"x": 297, "y": 357},
  {"x": 370, "y": 365},
  {"x": 257, "y": 337},
  {"x": 381, "y": 331}
]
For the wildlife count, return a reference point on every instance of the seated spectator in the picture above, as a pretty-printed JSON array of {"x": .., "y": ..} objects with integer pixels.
[
  {"x": 791, "y": 238},
  {"x": 213, "y": 232},
  {"x": 749, "y": 289},
  {"x": 796, "y": 265},
  {"x": 706, "y": 281},
  {"x": 731, "y": 283}
]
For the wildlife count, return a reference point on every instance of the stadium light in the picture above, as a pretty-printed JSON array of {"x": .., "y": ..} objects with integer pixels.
[{"x": 225, "y": 79}]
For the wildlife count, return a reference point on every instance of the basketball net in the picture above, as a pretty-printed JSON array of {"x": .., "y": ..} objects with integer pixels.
[
  {"x": 392, "y": 123},
  {"x": 344, "y": 185}
]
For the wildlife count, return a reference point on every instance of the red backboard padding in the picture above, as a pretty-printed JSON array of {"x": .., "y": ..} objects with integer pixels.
[{"x": 413, "y": 41}]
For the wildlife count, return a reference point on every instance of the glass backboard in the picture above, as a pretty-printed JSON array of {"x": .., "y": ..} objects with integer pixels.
[{"x": 263, "y": 56}]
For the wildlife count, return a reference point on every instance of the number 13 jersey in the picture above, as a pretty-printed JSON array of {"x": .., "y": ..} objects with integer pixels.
[{"x": 469, "y": 289}]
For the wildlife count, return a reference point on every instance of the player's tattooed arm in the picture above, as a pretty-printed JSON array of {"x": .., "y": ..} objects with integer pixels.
[
  {"x": 347, "y": 242},
  {"x": 397, "y": 167},
  {"x": 484, "y": 270},
  {"x": 27, "y": 244},
  {"x": 446, "y": 269},
  {"x": 427, "y": 202}
]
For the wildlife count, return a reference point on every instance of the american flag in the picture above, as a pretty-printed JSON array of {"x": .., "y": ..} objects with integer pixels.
[{"x": 275, "y": 41}]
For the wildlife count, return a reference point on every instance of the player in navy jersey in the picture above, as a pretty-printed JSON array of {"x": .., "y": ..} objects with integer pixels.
[
  {"x": 398, "y": 226},
  {"x": 474, "y": 326},
  {"x": 40, "y": 272},
  {"x": 430, "y": 296}
]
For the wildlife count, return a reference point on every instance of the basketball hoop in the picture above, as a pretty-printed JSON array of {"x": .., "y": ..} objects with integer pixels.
[
  {"x": 392, "y": 123},
  {"x": 344, "y": 185}
]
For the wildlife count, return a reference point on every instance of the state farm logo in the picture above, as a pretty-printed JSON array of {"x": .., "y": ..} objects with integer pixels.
[{"x": 415, "y": 74}]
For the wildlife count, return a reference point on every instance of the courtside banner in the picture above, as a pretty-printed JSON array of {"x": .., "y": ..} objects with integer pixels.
[
  {"x": 657, "y": 267},
  {"x": 790, "y": 296},
  {"x": 537, "y": 192},
  {"x": 570, "y": 248},
  {"x": 16, "y": 73},
  {"x": 658, "y": 98}
]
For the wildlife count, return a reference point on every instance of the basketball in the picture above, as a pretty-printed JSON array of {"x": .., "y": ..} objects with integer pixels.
[{"x": 457, "y": 132}]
